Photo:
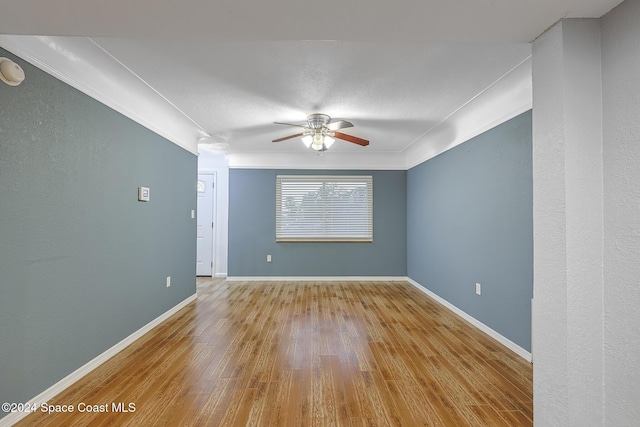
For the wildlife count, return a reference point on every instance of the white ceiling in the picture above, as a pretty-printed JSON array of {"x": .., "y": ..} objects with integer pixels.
[
  {"x": 377, "y": 20},
  {"x": 414, "y": 77}
]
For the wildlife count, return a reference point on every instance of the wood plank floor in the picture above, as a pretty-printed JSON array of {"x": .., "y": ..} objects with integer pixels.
[{"x": 306, "y": 354}]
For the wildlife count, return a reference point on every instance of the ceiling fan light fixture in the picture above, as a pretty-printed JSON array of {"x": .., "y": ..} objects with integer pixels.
[
  {"x": 328, "y": 141},
  {"x": 307, "y": 140},
  {"x": 318, "y": 141}
]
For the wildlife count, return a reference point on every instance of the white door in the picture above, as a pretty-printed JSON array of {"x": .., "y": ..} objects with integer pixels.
[{"x": 205, "y": 226}]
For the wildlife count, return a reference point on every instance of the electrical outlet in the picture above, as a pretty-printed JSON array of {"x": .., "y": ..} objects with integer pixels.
[
  {"x": 478, "y": 289},
  {"x": 268, "y": 258},
  {"x": 168, "y": 281}
]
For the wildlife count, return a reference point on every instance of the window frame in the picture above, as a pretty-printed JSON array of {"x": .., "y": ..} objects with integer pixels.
[{"x": 337, "y": 225}]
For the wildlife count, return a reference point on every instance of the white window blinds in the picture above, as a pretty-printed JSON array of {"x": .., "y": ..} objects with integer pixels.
[{"x": 327, "y": 208}]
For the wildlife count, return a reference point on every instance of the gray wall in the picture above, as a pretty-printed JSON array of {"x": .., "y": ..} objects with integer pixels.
[
  {"x": 82, "y": 262},
  {"x": 469, "y": 219},
  {"x": 252, "y": 195}
]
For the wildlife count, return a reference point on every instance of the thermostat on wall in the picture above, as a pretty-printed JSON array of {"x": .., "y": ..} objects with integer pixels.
[{"x": 143, "y": 194}]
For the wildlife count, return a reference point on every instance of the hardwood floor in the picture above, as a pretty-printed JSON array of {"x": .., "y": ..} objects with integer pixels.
[{"x": 306, "y": 354}]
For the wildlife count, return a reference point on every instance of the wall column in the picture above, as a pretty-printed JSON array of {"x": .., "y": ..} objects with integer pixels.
[
  {"x": 568, "y": 337},
  {"x": 621, "y": 141}
]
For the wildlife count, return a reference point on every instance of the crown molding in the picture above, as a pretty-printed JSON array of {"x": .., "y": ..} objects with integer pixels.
[{"x": 503, "y": 100}]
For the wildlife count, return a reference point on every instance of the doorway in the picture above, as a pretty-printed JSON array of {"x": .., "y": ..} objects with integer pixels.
[{"x": 205, "y": 225}]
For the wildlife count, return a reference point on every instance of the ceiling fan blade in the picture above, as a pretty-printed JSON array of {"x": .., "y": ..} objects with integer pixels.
[
  {"x": 288, "y": 137},
  {"x": 351, "y": 138},
  {"x": 289, "y": 124},
  {"x": 341, "y": 124}
]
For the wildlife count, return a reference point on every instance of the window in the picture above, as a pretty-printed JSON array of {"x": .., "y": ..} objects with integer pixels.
[{"x": 326, "y": 208}]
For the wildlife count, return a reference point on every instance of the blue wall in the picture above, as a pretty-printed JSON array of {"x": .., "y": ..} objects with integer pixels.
[
  {"x": 252, "y": 196},
  {"x": 470, "y": 219},
  {"x": 83, "y": 263}
]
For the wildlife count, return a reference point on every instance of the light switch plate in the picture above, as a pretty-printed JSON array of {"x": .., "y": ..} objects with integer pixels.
[{"x": 143, "y": 194}]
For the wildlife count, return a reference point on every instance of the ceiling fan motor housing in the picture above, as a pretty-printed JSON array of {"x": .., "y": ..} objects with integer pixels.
[{"x": 318, "y": 121}]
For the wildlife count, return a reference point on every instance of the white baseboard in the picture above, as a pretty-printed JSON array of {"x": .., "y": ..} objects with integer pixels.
[
  {"x": 67, "y": 381},
  {"x": 475, "y": 322},
  {"x": 316, "y": 278},
  {"x": 220, "y": 275}
]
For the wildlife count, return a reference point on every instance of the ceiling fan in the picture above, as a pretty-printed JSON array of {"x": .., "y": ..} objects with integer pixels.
[{"x": 320, "y": 132}]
